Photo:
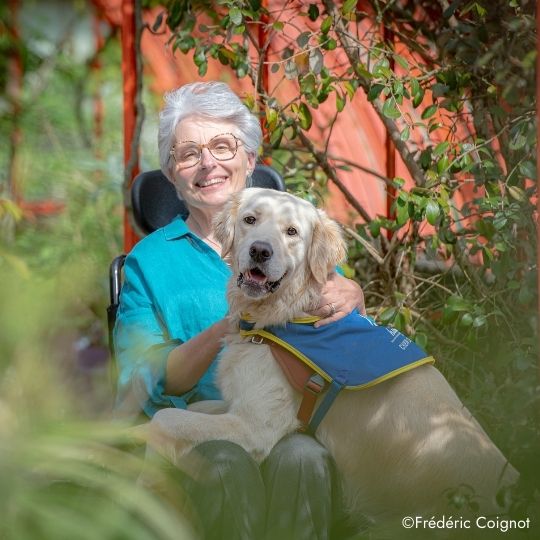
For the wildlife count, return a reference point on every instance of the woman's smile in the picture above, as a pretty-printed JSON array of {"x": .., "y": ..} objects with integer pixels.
[{"x": 211, "y": 182}]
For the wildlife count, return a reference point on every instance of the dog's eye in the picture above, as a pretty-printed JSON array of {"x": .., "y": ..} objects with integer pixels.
[
  {"x": 291, "y": 231},
  {"x": 250, "y": 220}
]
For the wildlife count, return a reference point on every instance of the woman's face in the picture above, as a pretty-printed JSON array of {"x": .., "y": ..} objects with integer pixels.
[{"x": 209, "y": 183}]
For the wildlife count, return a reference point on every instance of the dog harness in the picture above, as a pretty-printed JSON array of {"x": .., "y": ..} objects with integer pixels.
[{"x": 353, "y": 353}]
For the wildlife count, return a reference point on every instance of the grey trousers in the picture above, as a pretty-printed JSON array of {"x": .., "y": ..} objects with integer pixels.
[{"x": 294, "y": 494}]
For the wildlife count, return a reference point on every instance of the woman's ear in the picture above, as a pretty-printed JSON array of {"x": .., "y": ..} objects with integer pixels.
[
  {"x": 327, "y": 248},
  {"x": 224, "y": 223},
  {"x": 251, "y": 162}
]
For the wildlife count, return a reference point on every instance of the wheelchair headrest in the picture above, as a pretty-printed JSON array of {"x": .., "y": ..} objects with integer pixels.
[{"x": 155, "y": 202}]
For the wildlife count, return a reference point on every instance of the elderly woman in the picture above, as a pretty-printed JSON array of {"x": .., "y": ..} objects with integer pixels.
[{"x": 172, "y": 319}]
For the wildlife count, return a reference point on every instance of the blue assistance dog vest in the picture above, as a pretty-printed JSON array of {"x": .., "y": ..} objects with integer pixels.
[{"x": 353, "y": 353}]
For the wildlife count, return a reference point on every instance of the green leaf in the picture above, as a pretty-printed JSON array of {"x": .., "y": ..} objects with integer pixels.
[
  {"x": 418, "y": 98},
  {"x": 402, "y": 213},
  {"x": 485, "y": 228},
  {"x": 199, "y": 57},
  {"x": 374, "y": 228},
  {"x": 278, "y": 25},
  {"x": 479, "y": 321},
  {"x": 388, "y": 315},
  {"x": 382, "y": 69},
  {"x": 466, "y": 320},
  {"x": 432, "y": 212},
  {"x": 350, "y": 89},
  {"x": 457, "y": 303},
  {"x": 398, "y": 88},
  {"x": 517, "y": 193},
  {"x": 499, "y": 221},
  {"x": 330, "y": 45},
  {"x": 439, "y": 90},
  {"x": 443, "y": 164},
  {"x": 271, "y": 118},
  {"x": 340, "y": 102},
  {"x": 235, "y": 15},
  {"x": 375, "y": 91},
  {"x": 528, "y": 169},
  {"x": 421, "y": 339},
  {"x": 326, "y": 24},
  {"x": 415, "y": 87},
  {"x": 440, "y": 149},
  {"x": 275, "y": 137},
  {"x": 430, "y": 111},
  {"x": 401, "y": 61},
  {"x": 518, "y": 141},
  {"x": 390, "y": 109},
  {"x": 304, "y": 116},
  {"x": 307, "y": 84},
  {"x": 203, "y": 68},
  {"x": 348, "y": 6},
  {"x": 313, "y": 12},
  {"x": 404, "y": 135}
]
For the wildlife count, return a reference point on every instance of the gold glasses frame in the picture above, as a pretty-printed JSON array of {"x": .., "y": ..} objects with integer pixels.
[{"x": 207, "y": 145}]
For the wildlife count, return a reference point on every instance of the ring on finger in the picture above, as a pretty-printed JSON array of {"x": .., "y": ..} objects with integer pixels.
[{"x": 332, "y": 309}]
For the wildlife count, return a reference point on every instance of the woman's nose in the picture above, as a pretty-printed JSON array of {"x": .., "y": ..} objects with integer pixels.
[{"x": 207, "y": 159}]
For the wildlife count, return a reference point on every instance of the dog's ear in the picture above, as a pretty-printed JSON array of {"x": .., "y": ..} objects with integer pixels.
[
  {"x": 327, "y": 248},
  {"x": 224, "y": 223}
]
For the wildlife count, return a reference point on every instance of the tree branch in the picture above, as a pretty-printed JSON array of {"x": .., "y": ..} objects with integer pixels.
[{"x": 351, "y": 50}]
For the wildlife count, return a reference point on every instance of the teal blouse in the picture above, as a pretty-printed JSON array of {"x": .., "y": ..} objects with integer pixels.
[{"x": 174, "y": 288}]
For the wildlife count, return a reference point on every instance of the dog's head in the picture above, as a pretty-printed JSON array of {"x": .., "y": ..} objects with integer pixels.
[{"x": 274, "y": 238}]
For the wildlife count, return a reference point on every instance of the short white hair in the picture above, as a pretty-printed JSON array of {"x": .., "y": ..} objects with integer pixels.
[{"x": 210, "y": 100}]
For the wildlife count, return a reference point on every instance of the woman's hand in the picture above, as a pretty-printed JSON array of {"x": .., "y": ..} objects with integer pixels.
[{"x": 339, "y": 297}]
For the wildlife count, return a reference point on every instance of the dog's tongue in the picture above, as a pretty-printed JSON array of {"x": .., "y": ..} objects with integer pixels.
[{"x": 256, "y": 275}]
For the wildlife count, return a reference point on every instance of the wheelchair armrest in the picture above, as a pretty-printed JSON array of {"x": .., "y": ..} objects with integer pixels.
[{"x": 115, "y": 285}]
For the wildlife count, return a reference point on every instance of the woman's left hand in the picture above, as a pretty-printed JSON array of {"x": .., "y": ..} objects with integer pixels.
[{"x": 339, "y": 297}]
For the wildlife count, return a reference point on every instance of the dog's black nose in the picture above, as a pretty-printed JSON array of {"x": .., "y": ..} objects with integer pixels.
[{"x": 260, "y": 251}]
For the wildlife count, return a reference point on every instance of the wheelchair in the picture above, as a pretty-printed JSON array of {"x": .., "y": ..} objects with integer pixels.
[{"x": 155, "y": 204}]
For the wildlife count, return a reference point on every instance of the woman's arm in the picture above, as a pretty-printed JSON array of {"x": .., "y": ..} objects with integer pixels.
[
  {"x": 338, "y": 298},
  {"x": 155, "y": 370},
  {"x": 187, "y": 362}
]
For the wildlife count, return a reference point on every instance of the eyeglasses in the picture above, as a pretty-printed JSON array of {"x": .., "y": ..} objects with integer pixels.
[{"x": 222, "y": 147}]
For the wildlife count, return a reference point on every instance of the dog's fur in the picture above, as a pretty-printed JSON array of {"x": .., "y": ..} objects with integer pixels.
[{"x": 398, "y": 445}]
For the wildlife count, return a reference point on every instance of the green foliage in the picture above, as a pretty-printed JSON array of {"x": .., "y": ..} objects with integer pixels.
[{"x": 61, "y": 476}]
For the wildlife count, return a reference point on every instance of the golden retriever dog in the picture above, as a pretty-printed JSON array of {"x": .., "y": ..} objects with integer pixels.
[{"x": 399, "y": 445}]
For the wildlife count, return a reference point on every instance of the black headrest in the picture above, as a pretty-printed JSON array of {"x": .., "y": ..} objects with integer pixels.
[{"x": 155, "y": 202}]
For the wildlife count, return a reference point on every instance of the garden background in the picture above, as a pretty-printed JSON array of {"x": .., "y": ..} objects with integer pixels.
[{"x": 438, "y": 203}]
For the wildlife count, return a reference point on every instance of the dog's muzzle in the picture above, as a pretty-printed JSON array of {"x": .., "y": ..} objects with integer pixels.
[{"x": 270, "y": 286}]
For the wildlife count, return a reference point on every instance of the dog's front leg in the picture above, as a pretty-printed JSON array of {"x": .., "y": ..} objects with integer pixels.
[{"x": 174, "y": 432}]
